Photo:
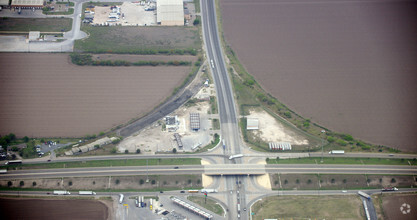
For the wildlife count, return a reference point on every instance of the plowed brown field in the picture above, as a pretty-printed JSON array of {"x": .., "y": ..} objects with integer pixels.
[
  {"x": 52, "y": 209},
  {"x": 400, "y": 206},
  {"x": 348, "y": 65},
  {"x": 45, "y": 95}
]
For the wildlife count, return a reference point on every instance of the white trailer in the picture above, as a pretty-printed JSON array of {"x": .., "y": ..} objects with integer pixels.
[
  {"x": 121, "y": 198},
  {"x": 235, "y": 156},
  {"x": 364, "y": 195},
  {"x": 61, "y": 192},
  {"x": 209, "y": 190},
  {"x": 3, "y": 171},
  {"x": 86, "y": 193},
  {"x": 337, "y": 152}
]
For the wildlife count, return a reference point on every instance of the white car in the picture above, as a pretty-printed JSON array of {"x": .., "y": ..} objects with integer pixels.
[{"x": 344, "y": 191}]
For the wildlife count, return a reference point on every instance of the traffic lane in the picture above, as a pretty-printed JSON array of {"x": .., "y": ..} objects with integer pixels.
[
  {"x": 339, "y": 166},
  {"x": 124, "y": 157},
  {"x": 103, "y": 171},
  {"x": 365, "y": 155}
]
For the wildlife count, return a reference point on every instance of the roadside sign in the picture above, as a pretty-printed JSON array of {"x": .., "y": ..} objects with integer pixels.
[{"x": 126, "y": 205}]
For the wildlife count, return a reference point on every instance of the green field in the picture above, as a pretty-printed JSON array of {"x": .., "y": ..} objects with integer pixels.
[
  {"x": 108, "y": 163},
  {"x": 344, "y": 160},
  {"x": 140, "y": 40},
  {"x": 36, "y": 24},
  {"x": 209, "y": 205},
  {"x": 308, "y": 207}
]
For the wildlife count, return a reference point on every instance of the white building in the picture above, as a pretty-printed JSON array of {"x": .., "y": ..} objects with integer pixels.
[{"x": 170, "y": 12}]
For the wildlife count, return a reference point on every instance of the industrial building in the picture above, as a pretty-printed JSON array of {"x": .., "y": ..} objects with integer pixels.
[
  {"x": 4, "y": 3},
  {"x": 27, "y": 3},
  {"x": 192, "y": 208},
  {"x": 170, "y": 12},
  {"x": 195, "y": 121},
  {"x": 252, "y": 124}
]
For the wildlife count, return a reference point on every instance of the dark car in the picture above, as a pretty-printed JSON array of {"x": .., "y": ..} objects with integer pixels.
[
  {"x": 176, "y": 167},
  {"x": 161, "y": 192},
  {"x": 182, "y": 191}
]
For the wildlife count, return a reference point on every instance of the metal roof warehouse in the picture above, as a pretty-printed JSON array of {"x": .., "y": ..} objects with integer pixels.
[
  {"x": 170, "y": 12},
  {"x": 27, "y": 3}
]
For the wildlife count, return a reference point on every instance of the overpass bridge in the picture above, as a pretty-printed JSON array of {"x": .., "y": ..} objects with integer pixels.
[{"x": 234, "y": 169}]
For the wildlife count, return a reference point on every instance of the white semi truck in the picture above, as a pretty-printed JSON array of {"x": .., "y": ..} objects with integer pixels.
[
  {"x": 209, "y": 190},
  {"x": 235, "y": 156},
  {"x": 86, "y": 193},
  {"x": 337, "y": 152},
  {"x": 121, "y": 198},
  {"x": 61, "y": 192}
]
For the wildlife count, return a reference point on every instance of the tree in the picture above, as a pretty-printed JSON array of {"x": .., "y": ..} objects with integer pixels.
[
  {"x": 117, "y": 181},
  {"x": 138, "y": 151},
  {"x": 9, "y": 184},
  {"x": 297, "y": 181},
  {"x": 96, "y": 146},
  {"x": 12, "y": 136},
  {"x": 22, "y": 183},
  {"x": 113, "y": 150},
  {"x": 196, "y": 21},
  {"x": 34, "y": 183},
  {"x": 276, "y": 182},
  {"x": 25, "y": 138},
  {"x": 141, "y": 181},
  {"x": 165, "y": 182},
  {"x": 393, "y": 180},
  {"x": 344, "y": 180},
  {"x": 153, "y": 182},
  {"x": 285, "y": 181},
  {"x": 126, "y": 151},
  {"x": 70, "y": 183},
  {"x": 174, "y": 150},
  {"x": 333, "y": 180},
  {"x": 189, "y": 181},
  {"x": 309, "y": 181}
]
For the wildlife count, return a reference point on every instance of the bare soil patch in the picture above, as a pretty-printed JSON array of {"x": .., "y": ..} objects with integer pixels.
[
  {"x": 399, "y": 206},
  {"x": 44, "y": 95},
  {"x": 270, "y": 130},
  {"x": 53, "y": 209},
  {"x": 347, "y": 65}
]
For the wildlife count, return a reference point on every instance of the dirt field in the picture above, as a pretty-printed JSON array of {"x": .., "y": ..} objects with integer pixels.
[
  {"x": 36, "y": 24},
  {"x": 52, "y": 209},
  {"x": 399, "y": 206},
  {"x": 270, "y": 130},
  {"x": 347, "y": 65},
  {"x": 44, "y": 95},
  {"x": 308, "y": 207},
  {"x": 155, "y": 139}
]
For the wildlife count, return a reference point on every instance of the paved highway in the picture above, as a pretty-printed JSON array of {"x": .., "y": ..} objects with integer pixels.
[
  {"x": 226, "y": 104},
  {"x": 230, "y": 171}
]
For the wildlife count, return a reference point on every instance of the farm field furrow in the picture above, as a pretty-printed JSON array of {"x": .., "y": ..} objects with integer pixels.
[
  {"x": 346, "y": 65},
  {"x": 45, "y": 95}
]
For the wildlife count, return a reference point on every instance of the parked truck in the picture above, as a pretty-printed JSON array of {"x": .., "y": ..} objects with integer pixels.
[
  {"x": 3, "y": 171},
  {"x": 235, "y": 156},
  {"x": 61, "y": 192},
  {"x": 364, "y": 195},
  {"x": 86, "y": 193},
  {"x": 337, "y": 152}
]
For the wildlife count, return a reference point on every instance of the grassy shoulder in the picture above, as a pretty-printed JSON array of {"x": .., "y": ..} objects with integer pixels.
[
  {"x": 48, "y": 12},
  {"x": 36, "y": 24},
  {"x": 109, "y": 163},
  {"x": 309, "y": 207},
  {"x": 214, "y": 142},
  {"x": 344, "y": 160},
  {"x": 208, "y": 204},
  {"x": 140, "y": 40}
]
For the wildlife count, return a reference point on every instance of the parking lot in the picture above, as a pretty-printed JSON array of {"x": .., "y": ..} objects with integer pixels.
[{"x": 164, "y": 208}]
